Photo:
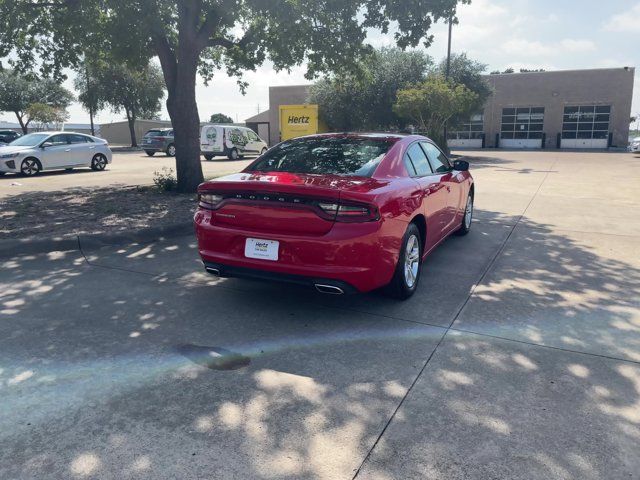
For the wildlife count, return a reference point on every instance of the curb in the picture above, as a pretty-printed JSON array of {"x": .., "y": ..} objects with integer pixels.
[{"x": 10, "y": 248}]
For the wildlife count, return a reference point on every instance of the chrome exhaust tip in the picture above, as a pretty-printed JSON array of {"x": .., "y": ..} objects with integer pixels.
[
  {"x": 329, "y": 289},
  {"x": 213, "y": 271}
]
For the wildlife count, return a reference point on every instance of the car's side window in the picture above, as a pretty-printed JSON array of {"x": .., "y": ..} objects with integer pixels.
[
  {"x": 58, "y": 140},
  {"x": 439, "y": 161},
  {"x": 78, "y": 139},
  {"x": 418, "y": 160},
  {"x": 252, "y": 136}
]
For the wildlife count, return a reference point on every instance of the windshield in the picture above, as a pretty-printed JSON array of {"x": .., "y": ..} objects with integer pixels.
[
  {"x": 30, "y": 140},
  {"x": 326, "y": 155}
]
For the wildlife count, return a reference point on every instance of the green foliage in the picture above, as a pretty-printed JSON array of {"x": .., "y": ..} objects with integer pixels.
[
  {"x": 165, "y": 180},
  {"x": 46, "y": 114},
  {"x": 136, "y": 91},
  {"x": 206, "y": 35},
  {"x": 220, "y": 118},
  {"x": 364, "y": 99},
  {"x": 467, "y": 72},
  {"x": 430, "y": 104},
  {"x": 19, "y": 92}
]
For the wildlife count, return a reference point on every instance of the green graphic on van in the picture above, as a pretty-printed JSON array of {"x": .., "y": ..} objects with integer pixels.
[
  {"x": 237, "y": 138},
  {"x": 212, "y": 134}
]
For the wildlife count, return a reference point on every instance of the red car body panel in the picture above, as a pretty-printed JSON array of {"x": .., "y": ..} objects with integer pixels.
[{"x": 360, "y": 254}]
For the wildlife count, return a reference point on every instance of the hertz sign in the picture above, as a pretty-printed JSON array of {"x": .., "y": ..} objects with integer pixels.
[{"x": 298, "y": 120}]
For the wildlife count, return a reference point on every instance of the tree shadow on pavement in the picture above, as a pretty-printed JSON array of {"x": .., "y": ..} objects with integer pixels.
[{"x": 93, "y": 384}]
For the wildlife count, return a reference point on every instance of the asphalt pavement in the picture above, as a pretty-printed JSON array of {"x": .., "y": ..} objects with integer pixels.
[{"x": 519, "y": 356}]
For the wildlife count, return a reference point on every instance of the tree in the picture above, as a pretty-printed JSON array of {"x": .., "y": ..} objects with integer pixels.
[
  {"x": 45, "y": 115},
  {"x": 136, "y": 92},
  {"x": 220, "y": 118},
  {"x": 430, "y": 104},
  {"x": 88, "y": 85},
  {"x": 467, "y": 72},
  {"x": 363, "y": 99},
  {"x": 19, "y": 92},
  {"x": 191, "y": 36}
]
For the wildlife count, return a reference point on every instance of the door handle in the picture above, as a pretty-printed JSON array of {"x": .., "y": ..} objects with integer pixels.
[{"x": 67, "y": 149}]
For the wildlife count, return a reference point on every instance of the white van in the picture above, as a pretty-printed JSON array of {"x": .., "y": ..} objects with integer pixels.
[{"x": 230, "y": 141}]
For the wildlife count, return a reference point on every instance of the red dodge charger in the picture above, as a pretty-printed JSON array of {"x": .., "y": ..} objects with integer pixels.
[{"x": 340, "y": 212}]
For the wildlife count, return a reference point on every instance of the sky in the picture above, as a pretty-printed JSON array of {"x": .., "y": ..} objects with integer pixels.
[{"x": 549, "y": 34}]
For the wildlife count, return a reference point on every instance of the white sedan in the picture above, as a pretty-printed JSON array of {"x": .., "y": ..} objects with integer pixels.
[
  {"x": 33, "y": 153},
  {"x": 634, "y": 145}
]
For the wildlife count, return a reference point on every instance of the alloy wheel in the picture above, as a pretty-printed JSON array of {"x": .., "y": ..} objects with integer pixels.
[
  {"x": 30, "y": 167},
  {"x": 468, "y": 213},
  {"x": 411, "y": 261},
  {"x": 171, "y": 151},
  {"x": 99, "y": 162}
]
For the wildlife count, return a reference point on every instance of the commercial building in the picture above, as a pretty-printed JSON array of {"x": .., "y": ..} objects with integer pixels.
[
  {"x": 118, "y": 133},
  {"x": 561, "y": 109}
]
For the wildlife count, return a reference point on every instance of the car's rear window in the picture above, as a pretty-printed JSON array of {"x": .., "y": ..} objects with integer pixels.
[
  {"x": 357, "y": 156},
  {"x": 153, "y": 133}
]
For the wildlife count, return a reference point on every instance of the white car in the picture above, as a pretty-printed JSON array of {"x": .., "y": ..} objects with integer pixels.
[
  {"x": 35, "y": 152},
  {"x": 230, "y": 141},
  {"x": 634, "y": 145}
]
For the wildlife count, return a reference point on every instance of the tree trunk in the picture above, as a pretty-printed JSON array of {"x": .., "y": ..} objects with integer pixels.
[
  {"x": 93, "y": 130},
  {"x": 185, "y": 120},
  {"x": 23, "y": 126},
  {"x": 132, "y": 128}
]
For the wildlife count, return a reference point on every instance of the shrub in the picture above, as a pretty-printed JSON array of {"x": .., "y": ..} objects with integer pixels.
[{"x": 165, "y": 180}]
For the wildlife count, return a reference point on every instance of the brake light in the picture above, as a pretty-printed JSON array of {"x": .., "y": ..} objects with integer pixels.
[
  {"x": 209, "y": 200},
  {"x": 344, "y": 212}
]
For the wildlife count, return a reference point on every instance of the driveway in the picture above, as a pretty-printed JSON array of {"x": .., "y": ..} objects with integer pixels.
[
  {"x": 127, "y": 168},
  {"x": 519, "y": 356}
]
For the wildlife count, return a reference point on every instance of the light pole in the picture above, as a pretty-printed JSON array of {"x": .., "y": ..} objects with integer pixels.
[{"x": 446, "y": 77}]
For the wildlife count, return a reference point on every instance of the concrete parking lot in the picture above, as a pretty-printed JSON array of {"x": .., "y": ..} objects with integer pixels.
[
  {"x": 127, "y": 168},
  {"x": 519, "y": 356}
]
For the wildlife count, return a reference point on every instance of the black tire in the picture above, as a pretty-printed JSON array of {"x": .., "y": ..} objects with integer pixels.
[
  {"x": 400, "y": 286},
  {"x": 98, "y": 162},
  {"x": 150, "y": 153},
  {"x": 233, "y": 154},
  {"x": 465, "y": 223},
  {"x": 208, "y": 158},
  {"x": 30, "y": 167},
  {"x": 171, "y": 150}
]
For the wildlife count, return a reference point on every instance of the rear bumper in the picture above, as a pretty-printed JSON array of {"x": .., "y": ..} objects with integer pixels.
[
  {"x": 360, "y": 256},
  {"x": 255, "y": 274},
  {"x": 153, "y": 147}
]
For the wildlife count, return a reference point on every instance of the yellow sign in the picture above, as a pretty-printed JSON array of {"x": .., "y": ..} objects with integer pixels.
[{"x": 298, "y": 120}]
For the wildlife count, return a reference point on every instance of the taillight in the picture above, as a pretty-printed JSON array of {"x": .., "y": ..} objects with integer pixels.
[
  {"x": 349, "y": 212},
  {"x": 209, "y": 200}
]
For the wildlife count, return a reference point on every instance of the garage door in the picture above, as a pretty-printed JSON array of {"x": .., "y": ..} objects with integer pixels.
[
  {"x": 585, "y": 126},
  {"x": 522, "y": 127},
  {"x": 467, "y": 135}
]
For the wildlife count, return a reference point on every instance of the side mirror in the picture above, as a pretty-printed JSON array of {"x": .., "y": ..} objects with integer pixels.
[
  {"x": 461, "y": 165},
  {"x": 46, "y": 144}
]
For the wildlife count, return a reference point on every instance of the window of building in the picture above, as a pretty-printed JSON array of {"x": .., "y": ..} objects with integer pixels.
[
  {"x": 522, "y": 123},
  {"x": 470, "y": 130},
  {"x": 586, "y": 122}
]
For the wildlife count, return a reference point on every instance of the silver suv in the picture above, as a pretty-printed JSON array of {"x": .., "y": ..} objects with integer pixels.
[{"x": 159, "y": 140}]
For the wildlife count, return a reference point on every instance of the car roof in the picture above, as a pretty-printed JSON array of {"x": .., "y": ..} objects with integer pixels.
[{"x": 378, "y": 135}]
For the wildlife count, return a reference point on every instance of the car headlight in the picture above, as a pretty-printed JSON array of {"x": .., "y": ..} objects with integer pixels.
[{"x": 9, "y": 155}]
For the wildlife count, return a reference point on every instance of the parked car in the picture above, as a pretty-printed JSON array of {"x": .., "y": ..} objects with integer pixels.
[
  {"x": 35, "y": 152},
  {"x": 8, "y": 136},
  {"x": 229, "y": 141},
  {"x": 159, "y": 140},
  {"x": 634, "y": 145},
  {"x": 341, "y": 212}
]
